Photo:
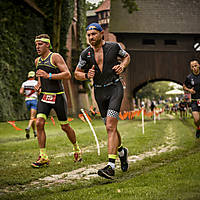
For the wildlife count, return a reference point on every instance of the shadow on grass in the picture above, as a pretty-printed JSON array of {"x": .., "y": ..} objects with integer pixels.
[
  {"x": 14, "y": 139},
  {"x": 188, "y": 123},
  {"x": 145, "y": 167}
]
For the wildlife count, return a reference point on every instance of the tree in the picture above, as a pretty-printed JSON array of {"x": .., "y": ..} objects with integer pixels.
[
  {"x": 31, "y": 18},
  {"x": 57, "y": 24},
  {"x": 154, "y": 90}
]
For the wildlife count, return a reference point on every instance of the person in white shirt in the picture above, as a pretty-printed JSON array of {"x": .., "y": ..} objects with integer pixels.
[{"x": 28, "y": 90}]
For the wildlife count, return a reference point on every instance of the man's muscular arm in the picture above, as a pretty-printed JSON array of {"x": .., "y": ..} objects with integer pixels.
[
  {"x": 61, "y": 64},
  {"x": 80, "y": 75},
  {"x": 120, "y": 68},
  {"x": 192, "y": 91},
  {"x": 21, "y": 91}
]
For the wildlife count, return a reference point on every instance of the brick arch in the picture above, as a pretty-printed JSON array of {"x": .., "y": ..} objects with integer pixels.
[{"x": 155, "y": 62}]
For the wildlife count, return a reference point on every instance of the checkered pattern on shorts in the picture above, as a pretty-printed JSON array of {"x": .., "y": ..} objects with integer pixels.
[{"x": 113, "y": 113}]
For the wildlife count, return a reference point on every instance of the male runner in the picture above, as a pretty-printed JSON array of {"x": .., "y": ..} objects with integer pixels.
[
  {"x": 100, "y": 62},
  {"x": 51, "y": 69},
  {"x": 27, "y": 89},
  {"x": 192, "y": 85},
  {"x": 183, "y": 109}
]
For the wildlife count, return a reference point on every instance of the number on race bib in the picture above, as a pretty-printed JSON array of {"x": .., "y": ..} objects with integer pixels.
[{"x": 49, "y": 98}]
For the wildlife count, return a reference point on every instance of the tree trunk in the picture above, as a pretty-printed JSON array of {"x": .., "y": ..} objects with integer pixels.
[{"x": 57, "y": 24}]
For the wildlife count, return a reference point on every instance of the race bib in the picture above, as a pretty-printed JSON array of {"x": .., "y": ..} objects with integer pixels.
[
  {"x": 49, "y": 98},
  {"x": 198, "y": 103}
]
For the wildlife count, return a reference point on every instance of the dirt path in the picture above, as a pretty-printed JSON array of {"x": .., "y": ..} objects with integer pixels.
[{"x": 86, "y": 173}]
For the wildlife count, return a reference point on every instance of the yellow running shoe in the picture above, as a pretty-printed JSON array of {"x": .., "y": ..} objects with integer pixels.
[{"x": 41, "y": 162}]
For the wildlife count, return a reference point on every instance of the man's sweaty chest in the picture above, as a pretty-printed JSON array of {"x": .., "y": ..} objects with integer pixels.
[{"x": 99, "y": 58}]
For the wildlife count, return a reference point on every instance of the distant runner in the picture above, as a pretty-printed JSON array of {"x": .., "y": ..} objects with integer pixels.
[
  {"x": 27, "y": 89},
  {"x": 183, "y": 109},
  {"x": 192, "y": 85}
]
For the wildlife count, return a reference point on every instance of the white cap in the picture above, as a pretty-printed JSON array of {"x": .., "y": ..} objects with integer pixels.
[{"x": 31, "y": 74}]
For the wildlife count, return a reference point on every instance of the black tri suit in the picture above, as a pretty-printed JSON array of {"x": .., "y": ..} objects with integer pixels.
[
  {"x": 193, "y": 81},
  {"x": 108, "y": 88},
  {"x": 52, "y": 93}
]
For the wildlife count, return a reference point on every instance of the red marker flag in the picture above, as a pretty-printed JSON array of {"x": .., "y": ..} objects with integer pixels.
[{"x": 13, "y": 124}]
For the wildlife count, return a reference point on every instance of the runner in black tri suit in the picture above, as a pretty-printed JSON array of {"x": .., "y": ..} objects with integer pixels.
[
  {"x": 192, "y": 85},
  {"x": 100, "y": 62},
  {"x": 183, "y": 105},
  {"x": 51, "y": 69}
]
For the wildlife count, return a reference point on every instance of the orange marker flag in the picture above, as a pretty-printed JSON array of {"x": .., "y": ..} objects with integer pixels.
[
  {"x": 52, "y": 119},
  {"x": 121, "y": 116},
  {"x": 70, "y": 119},
  {"x": 148, "y": 114},
  {"x": 81, "y": 117},
  {"x": 88, "y": 116},
  {"x": 132, "y": 114},
  {"x": 13, "y": 124},
  {"x": 91, "y": 109},
  {"x": 125, "y": 115},
  {"x": 129, "y": 115},
  {"x": 138, "y": 113}
]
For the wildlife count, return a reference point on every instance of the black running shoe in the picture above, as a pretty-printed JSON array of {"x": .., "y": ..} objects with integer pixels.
[
  {"x": 35, "y": 133},
  {"x": 27, "y": 133},
  {"x": 106, "y": 172},
  {"x": 124, "y": 160},
  {"x": 197, "y": 133}
]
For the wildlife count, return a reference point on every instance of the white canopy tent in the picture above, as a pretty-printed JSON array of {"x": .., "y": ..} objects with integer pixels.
[{"x": 175, "y": 91}]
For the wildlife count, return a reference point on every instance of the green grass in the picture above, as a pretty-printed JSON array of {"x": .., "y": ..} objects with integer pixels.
[{"x": 173, "y": 174}]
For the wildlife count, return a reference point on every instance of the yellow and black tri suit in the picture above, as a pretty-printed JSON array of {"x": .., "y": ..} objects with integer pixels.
[{"x": 51, "y": 87}]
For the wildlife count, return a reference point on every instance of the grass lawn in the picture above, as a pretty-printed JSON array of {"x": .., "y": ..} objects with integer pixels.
[{"x": 163, "y": 162}]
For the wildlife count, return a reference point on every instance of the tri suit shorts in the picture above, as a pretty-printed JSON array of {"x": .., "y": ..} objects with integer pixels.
[
  {"x": 194, "y": 106},
  {"x": 182, "y": 109},
  {"x": 109, "y": 99},
  {"x": 60, "y": 107}
]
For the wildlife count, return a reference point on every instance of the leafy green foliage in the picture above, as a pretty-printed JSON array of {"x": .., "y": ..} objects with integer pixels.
[
  {"x": 154, "y": 90},
  {"x": 93, "y": 6},
  {"x": 19, "y": 25},
  {"x": 67, "y": 15}
]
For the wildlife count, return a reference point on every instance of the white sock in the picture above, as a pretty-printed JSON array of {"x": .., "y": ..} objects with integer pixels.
[
  {"x": 121, "y": 153},
  {"x": 112, "y": 165}
]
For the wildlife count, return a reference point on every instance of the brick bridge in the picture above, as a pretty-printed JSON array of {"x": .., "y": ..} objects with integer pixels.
[{"x": 160, "y": 38}]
